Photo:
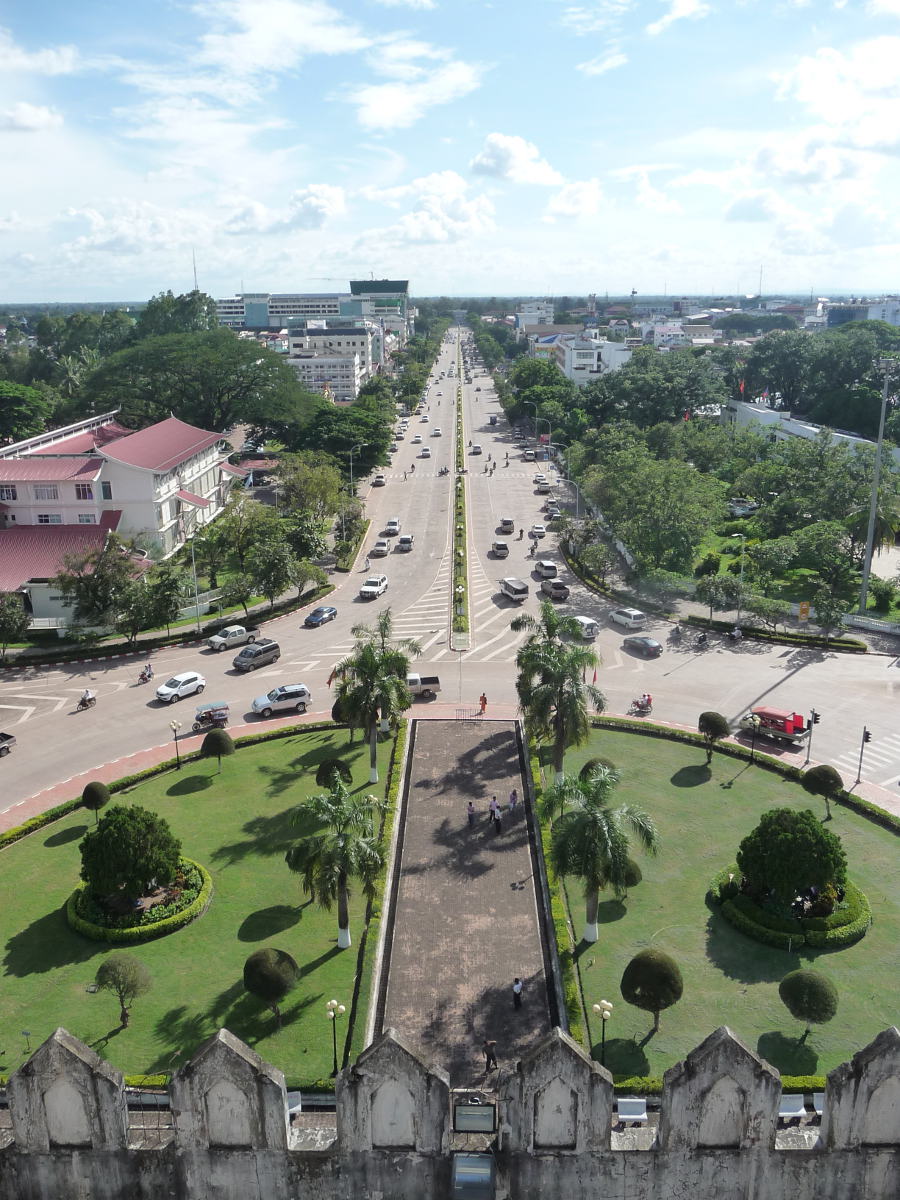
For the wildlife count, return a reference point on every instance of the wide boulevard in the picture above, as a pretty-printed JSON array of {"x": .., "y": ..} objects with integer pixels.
[{"x": 56, "y": 743}]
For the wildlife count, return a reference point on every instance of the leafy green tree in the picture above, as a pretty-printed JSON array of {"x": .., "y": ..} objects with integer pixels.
[
  {"x": 719, "y": 592},
  {"x": 823, "y": 780},
  {"x": 127, "y": 978},
  {"x": 23, "y": 411},
  {"x": 809, "y": 996},
  {"x": 551, "y": 684},
  {"x": 772, "y": 613},
  {"x": 370, "y": 685},
  {"x": 883, "y": 593},
  {"x": 218, "y": 744},
  {"x": 129, "y": 850},
  {"x": 395, "y": 653},
  {"x": 92, "y": 582},
  {"x": 714, "y": 727},
  {"x": 304, "y": 534},
  {"x": 333, "y": 768},
  {"x": 237, "y": 590},
  {"x": 15, "y": 621},
  {"x": 825, "y": 547},
  {"x": 269, "y": 975},
  {"x": 789, "y": 852},
  {"x": 94, "y": 797},
  {"x": 667, "y": 510},
  {"x": 340, "y": 844},
  {"x": 336, "y": 431},
  {"x": 166, "y": 585},
  {"x": 589, "y": 838},
  {"x": 782, "y": 362},
  {"x": 652, "y": 981},
  {"x": 191, "y": 312},
  {"x": 136, "y": 609},
  {"x": 829, "y": 611},
  {"x": 244, "y": 524},
  {"x": 210, "y": 552},
  {"x": 308, "y": 485},
  {"x": 272, "y": 567}
]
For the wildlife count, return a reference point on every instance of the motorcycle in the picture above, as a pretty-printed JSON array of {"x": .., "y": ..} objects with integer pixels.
[
  {"x": 146, "y": 674},
  {"x": 735, "y": 635},
  {"x": 701, "y": 642},
  {"x": 676, "y": 634},
  {"x": 85, "y": 702},
  {"x": 640, "y": 708}
]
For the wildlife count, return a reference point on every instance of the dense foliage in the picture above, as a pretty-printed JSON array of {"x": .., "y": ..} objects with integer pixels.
[
  {"x": 788, "y": 853},
  {"x": 131, "y": 850},
  {"x": 652, "y": 981},
  {"x": 809, "y": 996}
]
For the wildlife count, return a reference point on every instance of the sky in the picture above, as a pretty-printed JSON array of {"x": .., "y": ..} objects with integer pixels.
[{"x": 535, "y": 147}]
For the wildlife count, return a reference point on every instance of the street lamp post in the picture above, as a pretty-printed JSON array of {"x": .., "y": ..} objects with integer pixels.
[
  {"x": 334, "y": 1010},
  {"x": 563, "y": 479},
  {"x": 549, "y": 435},
  {"x": 361, "y": 446},
  {"x": 743, "y": 538},
  {"x": 885, "y": 365},
  {"x": 604, "y": 1011},
  {"x": 196, "y": 593},
  {"x": 532, "y": 404},
  {"x": 175, "y": 726}
]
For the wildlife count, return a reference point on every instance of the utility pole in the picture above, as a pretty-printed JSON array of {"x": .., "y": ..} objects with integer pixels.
[{"x": 876, "y": 480}]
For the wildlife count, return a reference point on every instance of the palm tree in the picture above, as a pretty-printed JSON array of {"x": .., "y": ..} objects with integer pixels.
[
  {"x": 589, "y": 838},
  {"x": 551, "y": 684},
  {"x": 395, "y": 653},
  {"x": 345, "y": 846},
  {"x": 370, "y": 684}
]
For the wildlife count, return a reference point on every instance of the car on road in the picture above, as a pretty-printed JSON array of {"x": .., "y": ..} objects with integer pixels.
[
  {"x": 417, "y": 439},
  {"x": 406, "y": 542},
  {"x": 320, "y": 616},
  {"x": 380, "y": 548},
  {"x": 628, "y": 618},
  {"x": 425, "y": 418},
  {"x": 552, "y": 511},
  {"x": 528, "y": 455},
  {"x": 291, "y": 697},
  {"x": 478, "y": 389},
  {"x": 540, "y": 477},
  {"x": 507, "y": 525},
  {"x": 546, "y": 568},
  {"x": 375, "y": 585},
  {"x": 476, "y": 449},
  {"x": 538, "y": 530},
  {"x": 393, "y": 448},
  {"x": 436, "y": 432},
  {"x": 260, "y": 654},
  {"x": 440, "y": 393},
  {"x": 646, "y": 647},
  {"x": 392, "y": 528},
  {"x": 425, "y": 452},
  {"x": 378, "y": 481},
  {"x": 500, "y": 550},
  {"x": 555, "y": 589},
  {"x": 185, "y": 683}
]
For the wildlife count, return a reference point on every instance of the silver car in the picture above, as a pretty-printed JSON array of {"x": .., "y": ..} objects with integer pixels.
[
  {"x": 292, "y": 697},
  {"x": 187, "y": 683}
]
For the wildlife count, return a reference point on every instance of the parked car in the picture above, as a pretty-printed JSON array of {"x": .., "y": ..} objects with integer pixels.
[
  {"x": 185, "y": 683},
  {"x": 319, "y": 616},
  {"x": 381, "y": 547},
  {"x": 260, "y": 654},
  {"x": 291, "y": 697},
  {"x": 628, "y": 618},
  {"x": 375, "y": 585},
  {"x": 646, "y": 647},
  {"x": 538, "y": 530},
  {"x": 393, "y": 448}
]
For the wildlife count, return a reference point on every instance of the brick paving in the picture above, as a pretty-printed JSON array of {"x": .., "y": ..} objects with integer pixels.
[{"x": 467, "y": 913}]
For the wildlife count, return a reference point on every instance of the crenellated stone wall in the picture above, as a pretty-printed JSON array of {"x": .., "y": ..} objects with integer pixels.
[{"x": 230, "y": 1136}]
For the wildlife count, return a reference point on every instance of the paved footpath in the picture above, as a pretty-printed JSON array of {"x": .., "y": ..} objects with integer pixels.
[{"x": 467, "y": 917}]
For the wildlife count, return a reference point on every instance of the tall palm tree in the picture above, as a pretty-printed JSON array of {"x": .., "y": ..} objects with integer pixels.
[
  {"x": 345, "y": 846},
  {"x": 395, "y": 652},
  {"x": 552, "y": 682},
  {"x": 589, "y": 838},
  {"x": 371, "y": 684}
]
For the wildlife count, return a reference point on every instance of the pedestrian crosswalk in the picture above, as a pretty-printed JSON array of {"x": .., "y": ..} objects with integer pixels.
[{"x": 880, "y": 762}]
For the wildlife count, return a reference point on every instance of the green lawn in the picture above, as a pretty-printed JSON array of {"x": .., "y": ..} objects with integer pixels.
[
  {"x": 728, "y": 979},
  {"x": 238, "y": 825}
]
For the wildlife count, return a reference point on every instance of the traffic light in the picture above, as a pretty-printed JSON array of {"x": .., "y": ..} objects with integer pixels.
[
  {"x": 867, "y": 737},
  {"x": 815, "y": 717}
]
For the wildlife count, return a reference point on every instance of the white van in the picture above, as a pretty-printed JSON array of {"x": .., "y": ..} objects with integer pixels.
[
  {"x": 545, "y": 568},
  {"x": 589, "y": 628},
  {"x": 515, "y": 590},
  {"x": 628, "y": 618}
]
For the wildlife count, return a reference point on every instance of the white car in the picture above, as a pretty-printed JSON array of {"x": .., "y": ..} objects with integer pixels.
[
  {"x": 187, "y": 683},
  {"x": 392, "y": 527},
  {"x": 426, "y": 452},
  {"x": 440, "y": 393},
  {"x": 379, "y": 481},
  {"x": 417, "y": 439},
  {"x": 436, "y": 432},
  {"x": 540, "y": 478},
  {"x": 380, "y": 548},
  {"x": 375, "y": 585},
  {"x": 538, "y": 530},
  {"x": 292, "y": 697},
  {"x": 425, "y": 418}
]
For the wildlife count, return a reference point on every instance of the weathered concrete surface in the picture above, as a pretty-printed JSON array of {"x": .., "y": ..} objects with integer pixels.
[{"x": 466, "y": 920}]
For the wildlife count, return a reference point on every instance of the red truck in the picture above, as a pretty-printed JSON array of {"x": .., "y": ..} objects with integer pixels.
[{"x": 780, "y": 724}]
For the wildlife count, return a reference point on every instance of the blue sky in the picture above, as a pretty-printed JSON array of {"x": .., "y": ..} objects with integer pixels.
[{"x": 537, "y": 147}]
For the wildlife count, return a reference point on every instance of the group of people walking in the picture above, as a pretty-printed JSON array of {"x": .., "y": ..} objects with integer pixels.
[{"x": 495, "y": 812}]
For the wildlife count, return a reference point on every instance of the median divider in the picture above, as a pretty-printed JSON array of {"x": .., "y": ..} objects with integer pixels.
[{"x": 459, "y": 600}]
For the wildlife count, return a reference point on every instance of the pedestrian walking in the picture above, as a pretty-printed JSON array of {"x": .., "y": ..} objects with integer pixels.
[
  {"x": 404, "y": 477},
  {"x": 482, "y": 700},
  {"x": 489, "y": 1050},
  {"x": 368, "y": 562},
  {"x": 493, "y": 809},
  {"x": 513, "y": 800},
  {"x": 471, "y": 814},
  {"x": 517, "y": 992}
]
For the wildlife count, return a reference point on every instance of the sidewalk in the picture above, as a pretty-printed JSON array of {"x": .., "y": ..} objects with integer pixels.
[{"x": 466, "y": 921}]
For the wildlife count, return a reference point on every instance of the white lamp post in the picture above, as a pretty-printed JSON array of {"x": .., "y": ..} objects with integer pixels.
[
  {"x": 604, "y": 1011},
  {"x": 334, "y": 1011}
]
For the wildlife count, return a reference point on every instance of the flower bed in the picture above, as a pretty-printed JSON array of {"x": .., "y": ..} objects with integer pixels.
[{"x": 89, "y": 918}]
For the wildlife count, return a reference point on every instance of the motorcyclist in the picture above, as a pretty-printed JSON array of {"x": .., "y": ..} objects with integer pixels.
[
  {"x": 702, "y": 639},
  {"x": 87, "y": 698},
  {"x": 676, "y": 634},
  {"x": 147, "y": 673}
]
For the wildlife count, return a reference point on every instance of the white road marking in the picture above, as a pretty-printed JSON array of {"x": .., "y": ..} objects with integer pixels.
[{"x": 28, "y": 710}]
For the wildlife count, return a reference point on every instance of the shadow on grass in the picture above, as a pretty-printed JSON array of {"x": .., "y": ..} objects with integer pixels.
[
  {"x": 64, "y": 836},
  {"x": 102, "y": 1042},
  {"x": 268, "y": 921},
  {"x": 623, "y": 1057},
  {"x": 788, "y": 1054},
  {"x": 46, "y": 944},
  {"x": 189, "y": 784},
  {"x": 741, "y": 958},
  {"x": 692, "y": 776},
  {"x": 611, "y": 910},
  {"x": 266, "y": 836},
  {"x": 304, "y": 766}
]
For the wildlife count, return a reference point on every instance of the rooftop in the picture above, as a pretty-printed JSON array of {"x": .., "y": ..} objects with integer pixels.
[
  {"x": 163, "y": 446},
  {"x": 37, "y": 551},
  {"x": 84, "y": 443},
  {"x": 36, "y": 468}
]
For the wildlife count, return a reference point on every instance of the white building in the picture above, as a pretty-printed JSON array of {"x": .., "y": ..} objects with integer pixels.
[
  {"x": 337, "y": 376},
  {"x": 780, "y": 424},
  {"x": 535, "y": 312},
  {"x": 887, "y": 309},
  {"x": 583, "y": 359}
]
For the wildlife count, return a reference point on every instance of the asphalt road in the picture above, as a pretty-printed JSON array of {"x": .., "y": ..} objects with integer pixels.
[{"x": 56, "y": 743}]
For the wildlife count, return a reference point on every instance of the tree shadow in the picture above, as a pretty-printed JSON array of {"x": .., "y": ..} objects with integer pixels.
[
  {"x": 692, "y": 776},
  {"x": 611, "y": 910},
  {"x": 46, "y": 944},
  {"x": 789, "y": 1055},
  {"x": 189, "y": 784},
  {"x": 101, "y": 1042},
  {"x": 729, "y": 783},
  {"x": 310, "y": 967},
  {"x": 64, "y": 836},
  {"x": 269, "y": 835},
  {"x": 287, "y": 776},
  {"x": 268, "y": 921},
  {"x": 740, "y": 957},
  {"x": 624, "y": 1056}
]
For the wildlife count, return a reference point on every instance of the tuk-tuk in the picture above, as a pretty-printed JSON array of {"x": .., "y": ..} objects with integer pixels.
[{"x": 213, "y": 715}]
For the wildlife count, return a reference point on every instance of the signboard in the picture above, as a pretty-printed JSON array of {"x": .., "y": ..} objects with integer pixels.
[
  {"x": 473, "y": 1176},
  {"x": 803, "y": 610},
  {"x": 474, "y": 1118}
]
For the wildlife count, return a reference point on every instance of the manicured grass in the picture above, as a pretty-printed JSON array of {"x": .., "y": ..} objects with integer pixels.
[
  {"x": 728, "y": 979},
  {"x": 238, "y": 824}
]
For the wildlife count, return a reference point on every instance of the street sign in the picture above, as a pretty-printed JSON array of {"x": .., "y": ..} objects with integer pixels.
[{"x": 803, "y": 610}]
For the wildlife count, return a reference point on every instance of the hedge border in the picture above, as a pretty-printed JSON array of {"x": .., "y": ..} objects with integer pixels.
[
  {"x": 847, "y": 645},
  {"x": 863, "y": 808},
  {"x": 459, "y": 576},
  {"x": 142, "y": 933},
  {"x": 346, "y": 561}
]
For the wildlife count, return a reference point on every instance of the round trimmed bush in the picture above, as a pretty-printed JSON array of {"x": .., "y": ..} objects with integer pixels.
[
  {"x": 633, "y": 874},
  {"x": 593, "y": 763},
  {"x": 269, "y": 974},
  {"x": 333, "y": 768},
  {"x": 809, "y": 996},
  {"x": 149, "y": 928},
  {"x": 95, "y": 796},
  {"x": 652, "y": 981}
]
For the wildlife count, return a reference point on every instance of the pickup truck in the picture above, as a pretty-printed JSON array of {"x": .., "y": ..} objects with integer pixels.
[
  {"x": 426, "y": 686},
  {"x": 779, "y": 724},
  {"x": 406, "y": 542},
  {"x": 232, "y": 635},
  {"x": 7, "y": 741}
]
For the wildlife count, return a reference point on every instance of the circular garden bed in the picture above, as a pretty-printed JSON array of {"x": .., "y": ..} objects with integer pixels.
[{"x": 187, "y": 899}]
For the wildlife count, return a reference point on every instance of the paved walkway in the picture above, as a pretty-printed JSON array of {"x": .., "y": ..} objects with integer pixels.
[{"x": 467, "y": 915}]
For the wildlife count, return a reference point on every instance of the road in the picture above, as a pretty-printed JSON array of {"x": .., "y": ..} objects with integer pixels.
[{"x": 56, "y": 743}]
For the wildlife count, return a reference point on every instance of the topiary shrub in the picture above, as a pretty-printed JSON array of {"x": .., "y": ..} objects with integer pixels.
[
  {"x": 333, "y": 768},
  {"x": 593, "y": 763},
  {"x": 788, "y": 853},
  {"x": 823, "y": 781},
  {"x": 809, "y": 996},
  {"x": 218, "y": 744},
  {"x": 269, "y": 974},
  {"x": 633, "y": 874},
  {"x": 130, "y": 850},
  {"x": 708, "y": 565},
  {"x": 652, "y": 981},
  {"x": 94, "y": 797}
]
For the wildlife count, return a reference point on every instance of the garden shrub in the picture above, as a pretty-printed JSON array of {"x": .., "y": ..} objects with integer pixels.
[
  {"x": 145, "y": 932},
  {"x": 769, "y": 937}
]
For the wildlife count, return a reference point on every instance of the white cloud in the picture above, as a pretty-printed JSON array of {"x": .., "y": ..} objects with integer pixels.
[
  {"x": 580, "y": 199},
  {"x": 806, "y": 160},
  {"x": 755, "y": 206},
  {"x": 130, "y": 228},
  {"x": 508, "y": 156},
  {"x": 395, "y": 56},
  {"x": 646, "y": 195},
  {"x": 444, "y": 211},
  {"x": 61, "y": 60},
  {"x": 424, "y": 4},
  {"x": 599, "y": 17},
  {"x": 603, "y": 63},
  {"x": 679, "y": 10},
  {"x": 883, "y": 8},
  {"x": 11, "y": 220},
  {"x": 29, "y": 118},
  {"x": 399, "y": 104},
  {"x": 308, "y": 208}
]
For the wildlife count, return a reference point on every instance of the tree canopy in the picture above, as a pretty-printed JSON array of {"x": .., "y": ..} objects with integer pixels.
[
  {"x": 788, "y": 852},
  {"x": 130, "y": 849},
  {"x": 652, "y": 981},
  {"x": 809, "y": 996}
]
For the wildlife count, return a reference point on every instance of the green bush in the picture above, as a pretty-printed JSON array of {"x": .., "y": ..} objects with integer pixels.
[
  {"x": 140, "y": 933},
  {"x": 708, "y": 565},
  {"x": 769, "y": 937},
  {"x": 768, "y": 920},
  {"x": 852, "y": 907}
]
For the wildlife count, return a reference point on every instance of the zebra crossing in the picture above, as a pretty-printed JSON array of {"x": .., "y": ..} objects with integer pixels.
[{"x": 881, "y": 757}]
